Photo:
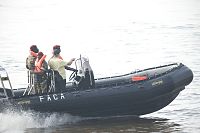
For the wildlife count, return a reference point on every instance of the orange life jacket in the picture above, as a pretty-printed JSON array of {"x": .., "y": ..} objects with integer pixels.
[{"x": 38, "y": 64}]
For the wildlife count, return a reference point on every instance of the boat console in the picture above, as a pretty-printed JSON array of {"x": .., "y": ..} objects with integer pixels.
[{"x": 84, "y": 77}]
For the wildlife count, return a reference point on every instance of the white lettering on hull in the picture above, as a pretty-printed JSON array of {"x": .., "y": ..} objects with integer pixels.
[
  {"x": 41, "y": 98},
  {"x": 62, "y": 96},
  {"x": 55, "y": 97},
  {"x": 50, "y": 98}
]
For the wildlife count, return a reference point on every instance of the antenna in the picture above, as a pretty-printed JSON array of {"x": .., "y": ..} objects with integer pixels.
[{"x": 81, "y": 62}]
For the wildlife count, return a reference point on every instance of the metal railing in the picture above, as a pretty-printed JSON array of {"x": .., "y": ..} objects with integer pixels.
[
  {"x": 31, "y": 82},
  {"x": 30, "y": 86},
  {"x": 4, "y": 77}
]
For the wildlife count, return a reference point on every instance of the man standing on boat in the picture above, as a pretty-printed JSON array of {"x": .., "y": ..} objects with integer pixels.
[
  {"x": 57, "y": 63},
  {"x": 30, "y": 60},
  {"x": 30, "y": 65},
  {"x": 40, "y": 79}
]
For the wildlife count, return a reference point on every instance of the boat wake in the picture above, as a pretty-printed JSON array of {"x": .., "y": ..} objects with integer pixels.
[{"x": 12, "y": 121}]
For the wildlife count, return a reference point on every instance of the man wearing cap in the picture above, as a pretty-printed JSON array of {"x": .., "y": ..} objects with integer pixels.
[
  {"x": 30, "y": 65},
  {"x": 30, "y": 60},
  {"x": 58, "y": 65}
]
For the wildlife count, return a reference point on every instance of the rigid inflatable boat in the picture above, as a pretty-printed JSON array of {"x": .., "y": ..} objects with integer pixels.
[{"x": 136, "y": 93}]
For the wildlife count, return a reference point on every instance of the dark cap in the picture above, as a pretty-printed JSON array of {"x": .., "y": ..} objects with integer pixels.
[
  {"x": 56, "y": 47},
  {"x": 34, "y": 48}
]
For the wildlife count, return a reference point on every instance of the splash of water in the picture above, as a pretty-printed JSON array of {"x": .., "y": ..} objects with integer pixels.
[{"x": 18, "y": 121}]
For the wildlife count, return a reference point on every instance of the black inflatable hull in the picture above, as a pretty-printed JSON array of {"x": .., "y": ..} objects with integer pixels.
[{"x": 119, "y": 95}]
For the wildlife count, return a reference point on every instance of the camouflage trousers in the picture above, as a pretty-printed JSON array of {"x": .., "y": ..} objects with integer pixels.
[{"x": 40, "y": 83}]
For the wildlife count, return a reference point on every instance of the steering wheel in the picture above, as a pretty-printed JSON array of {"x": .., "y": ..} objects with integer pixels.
[{"x": 73, "y": 75}]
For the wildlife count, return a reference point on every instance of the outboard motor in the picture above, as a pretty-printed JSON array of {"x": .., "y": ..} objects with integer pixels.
[{"x": 85, "y": 76}]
